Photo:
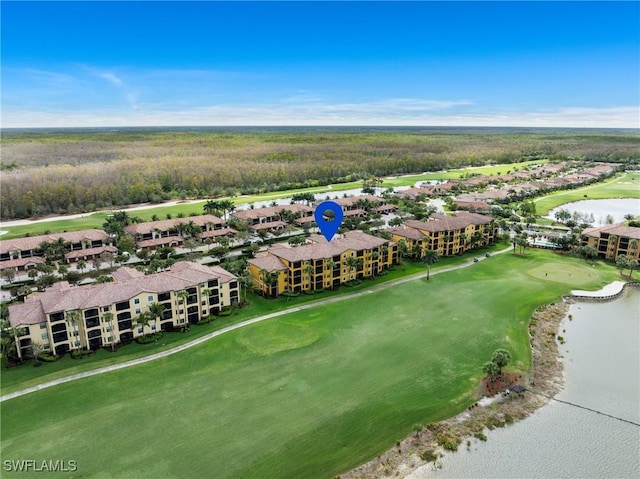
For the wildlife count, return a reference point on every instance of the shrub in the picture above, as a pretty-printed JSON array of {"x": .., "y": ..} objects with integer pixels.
[
  {"x": 448, "y": 440},
  {"x": 81, "y": 353},
  {"x": 480, "y": 436},
  {"x": 428, "y": 455},
  {"x": 151, "y": 338},
  {"x": 48, "y": 358},
  {"x": 206, "y": 320}
]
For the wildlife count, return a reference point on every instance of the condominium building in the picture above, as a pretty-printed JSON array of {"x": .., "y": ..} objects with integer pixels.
[
  {"x": 613, "y": 240},
  {"x": 321, "y": 264},
  {"x": 171, "y": 233},
  {"x": 66, "y": 317},
  {"x": 446, "y": 235},
  {"x": 274, "y": 218},
  {"x": 25, "y": 253}
]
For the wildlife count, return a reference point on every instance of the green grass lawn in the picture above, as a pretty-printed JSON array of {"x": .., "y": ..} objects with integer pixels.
[
  {"x": 27, "y": 376},
  {"x": 309, "y": 394},
  {"x": 626, "y": 185}
]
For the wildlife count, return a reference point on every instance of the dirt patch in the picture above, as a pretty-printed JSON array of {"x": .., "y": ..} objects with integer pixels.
[{"x": 495, "y": 407}]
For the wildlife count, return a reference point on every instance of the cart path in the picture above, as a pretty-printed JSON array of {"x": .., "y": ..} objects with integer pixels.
[{"x": 213, "y": 334}]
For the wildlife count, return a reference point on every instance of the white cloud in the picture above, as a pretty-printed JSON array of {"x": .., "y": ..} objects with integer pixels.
[
  {"x": 389, "y": 112},
  {"x": 111, "y": 78}
]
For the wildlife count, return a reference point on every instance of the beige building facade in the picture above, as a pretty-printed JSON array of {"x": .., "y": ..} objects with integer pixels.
[{"x": 65, "y": 317}]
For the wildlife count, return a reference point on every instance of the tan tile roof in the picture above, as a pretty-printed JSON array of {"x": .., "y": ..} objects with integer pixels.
[
  {"x": 160, "y": 241},
  {"x": 457, "y": 221},
  {"x": 269, "y": 225},
  {"x": 220, "y": 232},
  {"x": 356, "y": 212},
  {"x": 319, "y": 247},
  {"x": 476, "y": 205},
  {"x": 20, "y": 262},
  {"x": 81, "y": 253},
  {"x": 29, "y": 312},
  {"x": 619, "y": 229},
  {"x": 306, "y": 219},
  {"x": 406, "y": 232},
  {"x": 166, "y": 225},
  {"x": 267, "y": 261},
  {"x": 254, "y": 214},
  {"x": 125, "y": 273},
  {"x": 351, "y": 200},
  {"x": 414, "y": 192},
  {"x": 32, "y": 242}
]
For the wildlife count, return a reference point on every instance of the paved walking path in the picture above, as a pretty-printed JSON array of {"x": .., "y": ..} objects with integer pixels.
[{"x": 206, "y": 337}]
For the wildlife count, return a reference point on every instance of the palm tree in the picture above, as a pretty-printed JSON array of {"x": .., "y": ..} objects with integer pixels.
[
  {"x": 263, "y": 274},
  {"x": 156, "y": 311},
  {"x": 8, "y": 348},
  {"x": 143, "y": 320},
  {"x": 211, "y": 207},
  {"x": 429, "y": 257},
  {"x": 272, "y": 280},
  {"x": 36, "y": 350},
  {"x": 403, "y": 249},
  {"x": 308, "y": 271},
  {"x": 182, "y": 297},
  {"x": 108, "y": 318},
  {"x": 81, "y": 265},
  {"x": 72, "y": 318},
  {"x": 353, "y": 263}
]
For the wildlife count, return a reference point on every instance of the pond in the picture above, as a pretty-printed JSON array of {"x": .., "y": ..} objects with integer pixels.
[
  {"x": 601, "y": 360},
  {"x": 617, "y": 208}
]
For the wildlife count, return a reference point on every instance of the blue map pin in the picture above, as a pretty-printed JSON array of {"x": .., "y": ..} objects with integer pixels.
[{"x": 328, "y": 215}]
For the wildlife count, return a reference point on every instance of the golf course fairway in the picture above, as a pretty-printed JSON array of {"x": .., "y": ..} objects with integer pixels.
[{"x": 310, "y": 394}]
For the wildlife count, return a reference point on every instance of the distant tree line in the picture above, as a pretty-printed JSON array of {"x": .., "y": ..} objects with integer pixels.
[{"x": 75, "y": 173}]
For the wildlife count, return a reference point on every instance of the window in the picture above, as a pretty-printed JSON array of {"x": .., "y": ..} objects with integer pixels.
[
  {"x": 122, "y": 305},
  {"x": 140, "y": 330},
  {"x": 150, "y": 298},
  {"x": 105, "y": 309},
  {"x": 45, "y": 336},
  {"x": 77, "y": 343},
  {"x": 136, "y": 301},
  {"x": 43, "y": 325},
  {"x": 46, "y": 346},
  {"x": 137, "y": 310}
]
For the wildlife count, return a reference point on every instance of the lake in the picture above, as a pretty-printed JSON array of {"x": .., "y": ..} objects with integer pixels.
[
  {"x": 601, "y": 359},
  {"x": 601, "y": 208}
]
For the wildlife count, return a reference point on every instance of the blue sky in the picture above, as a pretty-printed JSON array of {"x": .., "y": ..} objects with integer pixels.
[{"x": 574, "y": 64}]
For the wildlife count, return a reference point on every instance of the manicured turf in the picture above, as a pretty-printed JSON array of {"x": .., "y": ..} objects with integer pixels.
[
  {"x": 626, "y": 185},
  {"x": 310, "y": 394},
  {"x": 22, "y": 377}
]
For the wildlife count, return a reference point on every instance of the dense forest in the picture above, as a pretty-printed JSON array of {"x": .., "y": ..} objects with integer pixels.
[{"x": 44, "y": 173}]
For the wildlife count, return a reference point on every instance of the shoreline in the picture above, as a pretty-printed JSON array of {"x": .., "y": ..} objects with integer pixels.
[{"x": 426, "y": 446}]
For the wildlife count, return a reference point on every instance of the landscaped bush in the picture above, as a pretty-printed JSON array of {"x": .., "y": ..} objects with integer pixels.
[
  {"x": 82, "y": 353},
  {"x": 206, "y": 320},
  {"x": 48, "y": 358},
  {"x": 226, "y": 311},
  {"x": 150, "y": 338}
]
